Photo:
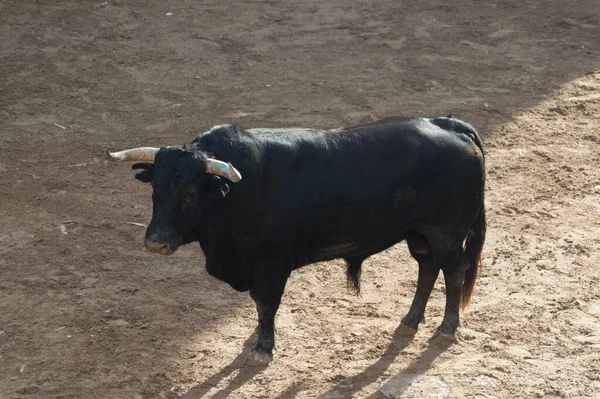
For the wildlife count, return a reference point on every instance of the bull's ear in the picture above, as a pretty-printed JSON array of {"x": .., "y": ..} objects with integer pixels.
[{"x": 147, "y": 174}]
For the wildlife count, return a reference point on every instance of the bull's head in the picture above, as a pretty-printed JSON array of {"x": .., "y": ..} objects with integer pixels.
[{"x": 184, "y": 182}]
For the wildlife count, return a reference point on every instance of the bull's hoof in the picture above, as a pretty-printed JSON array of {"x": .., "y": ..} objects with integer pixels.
[
  {"x": 442, "y": 338},
  {"x": 259, "y": 357},
  {"x": 406, "y": 331}
]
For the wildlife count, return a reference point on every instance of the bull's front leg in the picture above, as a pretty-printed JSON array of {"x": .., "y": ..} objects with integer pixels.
[{"x": 267, "y": 292}]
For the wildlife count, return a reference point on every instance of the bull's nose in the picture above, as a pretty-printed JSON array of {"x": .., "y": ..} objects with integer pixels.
[{"x": 159, "y": 247}]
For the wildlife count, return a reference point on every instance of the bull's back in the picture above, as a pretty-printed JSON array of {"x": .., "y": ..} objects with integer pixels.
[{"x": 365, "y": 186}]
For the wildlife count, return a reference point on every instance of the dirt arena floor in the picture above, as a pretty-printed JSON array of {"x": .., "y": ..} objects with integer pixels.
[{"x": 86, "y": 312}]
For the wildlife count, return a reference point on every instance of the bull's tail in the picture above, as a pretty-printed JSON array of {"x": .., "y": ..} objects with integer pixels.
[
  {"x": 476, "y": 237},
  {"x": 473, "y": 248}
]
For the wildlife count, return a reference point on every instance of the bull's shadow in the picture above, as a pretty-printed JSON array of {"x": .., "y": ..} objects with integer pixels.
[
  {"x": 348, "y": 387},
  {"x": 345, "y": 388}
]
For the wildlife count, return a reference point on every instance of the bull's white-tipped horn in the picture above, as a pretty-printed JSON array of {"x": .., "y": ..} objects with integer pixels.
[
  {"x": 223, "y": 169},
  {"x": 135, "y": 154}
]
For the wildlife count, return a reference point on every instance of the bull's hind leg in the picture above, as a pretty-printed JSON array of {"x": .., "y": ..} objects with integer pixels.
[
  {"x": 451, "y": 259},
  {"x": 428, "y": 273}
]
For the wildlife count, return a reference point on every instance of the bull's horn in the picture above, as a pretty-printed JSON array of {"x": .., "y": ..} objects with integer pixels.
[
  {"x": 224, "y": 169},
  {"x": 135, "y": 154}
]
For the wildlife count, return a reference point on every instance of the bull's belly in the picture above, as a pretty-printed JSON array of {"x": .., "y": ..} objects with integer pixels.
[
  {"x": 338, "y": 251},
  {"x": 347, "y": 249}
]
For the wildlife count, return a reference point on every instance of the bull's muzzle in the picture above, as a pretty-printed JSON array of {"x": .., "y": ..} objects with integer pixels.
[{"x": 159, "y": 247}]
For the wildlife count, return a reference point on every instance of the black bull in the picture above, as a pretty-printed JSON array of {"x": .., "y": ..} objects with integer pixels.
[{"x": 308, "y": 196}]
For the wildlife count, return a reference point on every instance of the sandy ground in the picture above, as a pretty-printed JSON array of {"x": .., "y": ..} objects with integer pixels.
[{"x": 86, "y": 312}]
